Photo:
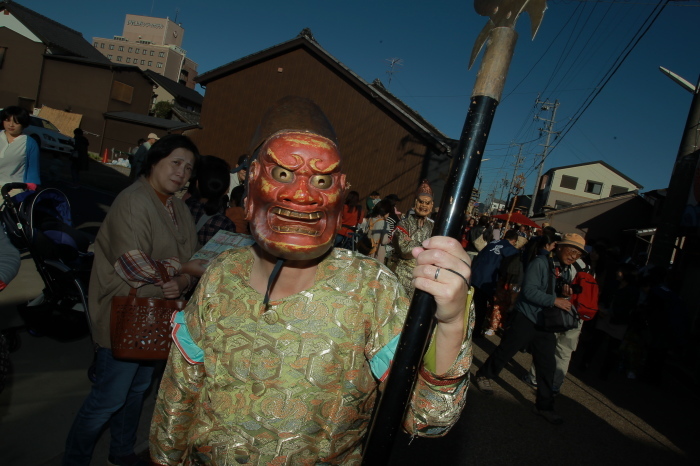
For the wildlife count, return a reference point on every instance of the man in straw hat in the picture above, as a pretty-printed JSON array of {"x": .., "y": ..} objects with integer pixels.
[
  {"x": 525, "y": 327},
  {"x": 280, "y": 352},
  {"x": 566, "y": 341}
]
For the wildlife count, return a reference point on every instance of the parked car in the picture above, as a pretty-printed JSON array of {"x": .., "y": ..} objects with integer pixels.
[{"x": 48, "y": 137}]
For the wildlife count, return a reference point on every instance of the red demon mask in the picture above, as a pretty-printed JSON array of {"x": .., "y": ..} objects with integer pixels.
[{"x": 295, "y": 195}]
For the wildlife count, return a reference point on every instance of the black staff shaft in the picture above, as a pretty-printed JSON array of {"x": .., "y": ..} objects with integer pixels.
[{"x": 419, "y": 321}]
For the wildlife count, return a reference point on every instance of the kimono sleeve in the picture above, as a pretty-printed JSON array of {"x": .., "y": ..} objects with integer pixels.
[
  {"x": 438, "y": 399},
  {"x": 178, "y": 397}
]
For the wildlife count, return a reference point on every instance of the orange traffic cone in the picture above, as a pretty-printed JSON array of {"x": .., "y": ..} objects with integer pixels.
[{"x": 105, "y": 156}]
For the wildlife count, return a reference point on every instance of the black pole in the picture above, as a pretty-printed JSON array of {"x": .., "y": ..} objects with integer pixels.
[{"x": 391, "y": 409}]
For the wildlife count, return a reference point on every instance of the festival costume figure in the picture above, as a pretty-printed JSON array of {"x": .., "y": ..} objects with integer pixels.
[
  {"x": 293, "y": 379},
  {"x": 411, "y": 232}
]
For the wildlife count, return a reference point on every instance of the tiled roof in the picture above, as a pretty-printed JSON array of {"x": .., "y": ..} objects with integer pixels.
[
  {"x": 60, "y": 39},
  {"x": 175, "y": 89},
  {"x": 187, "y": 116}
]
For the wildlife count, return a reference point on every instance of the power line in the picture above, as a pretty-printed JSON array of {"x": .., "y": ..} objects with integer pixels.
[{"x": 621, "y": 59}]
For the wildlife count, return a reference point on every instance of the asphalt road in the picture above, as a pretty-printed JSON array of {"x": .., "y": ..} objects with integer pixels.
[{"x": 606, "y": 422}]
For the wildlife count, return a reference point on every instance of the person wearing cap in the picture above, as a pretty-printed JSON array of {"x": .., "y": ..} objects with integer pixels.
[
  {"x": 567, "y": 342},
  {"x": 140, "y": 156},
  {"x": 281, "y": 350},
  {"x": 524, "y": 329},
  {"x": 411, "y": 231}
]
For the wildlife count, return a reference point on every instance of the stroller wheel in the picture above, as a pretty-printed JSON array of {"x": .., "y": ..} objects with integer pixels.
[{"x": 5, "y": 363}]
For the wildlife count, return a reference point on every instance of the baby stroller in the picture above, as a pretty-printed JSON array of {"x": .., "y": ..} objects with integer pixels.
[{"x": 39, "y": 221}]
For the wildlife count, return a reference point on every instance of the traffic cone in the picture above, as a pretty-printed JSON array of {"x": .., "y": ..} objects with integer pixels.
[{"x": 105, "y": 156}]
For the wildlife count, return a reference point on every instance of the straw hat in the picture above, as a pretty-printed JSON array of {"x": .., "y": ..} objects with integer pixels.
[{"x": 574, "y": 240}]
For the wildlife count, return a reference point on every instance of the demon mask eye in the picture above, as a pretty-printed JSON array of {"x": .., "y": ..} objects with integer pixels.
[
  {"x": 282, "y": 175},
  {"x": 321, "y": 181}
]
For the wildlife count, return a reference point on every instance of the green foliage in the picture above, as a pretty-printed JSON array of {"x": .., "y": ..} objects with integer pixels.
[{"x": 163, "y": 109}]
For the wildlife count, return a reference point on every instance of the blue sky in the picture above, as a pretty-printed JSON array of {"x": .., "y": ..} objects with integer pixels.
[{"x": 634, "y": 124}]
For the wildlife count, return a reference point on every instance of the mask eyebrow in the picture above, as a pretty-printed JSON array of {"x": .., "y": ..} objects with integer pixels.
[
  {"x": 324, "y": 171},
  {"x": 298, "y": 160}
]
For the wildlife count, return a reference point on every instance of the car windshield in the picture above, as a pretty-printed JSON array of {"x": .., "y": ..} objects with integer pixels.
[{"x": 43, "y": 123}]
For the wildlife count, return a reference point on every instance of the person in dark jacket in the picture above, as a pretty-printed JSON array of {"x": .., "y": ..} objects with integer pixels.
[
  {"x": 485, "y": 275},
  {"x": 525, "y": 327}
]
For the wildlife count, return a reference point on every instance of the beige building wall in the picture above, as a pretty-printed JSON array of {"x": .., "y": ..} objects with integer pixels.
[
  {"x": 588, "y": 178},
  {"x": 160, "y": 31},
  {"x": 151, "y": 44}
]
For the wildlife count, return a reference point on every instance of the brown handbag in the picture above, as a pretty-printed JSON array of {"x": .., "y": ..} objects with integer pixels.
[{"x": 140, "y": 327}]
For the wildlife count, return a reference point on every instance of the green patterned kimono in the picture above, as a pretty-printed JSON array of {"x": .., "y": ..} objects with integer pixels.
[
  {"x": 408, "y": 235},
  {"x": 296, "y": 384}
]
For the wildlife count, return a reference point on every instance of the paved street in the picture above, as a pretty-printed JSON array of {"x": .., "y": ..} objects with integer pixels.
[{"x": 611, "y": 422}]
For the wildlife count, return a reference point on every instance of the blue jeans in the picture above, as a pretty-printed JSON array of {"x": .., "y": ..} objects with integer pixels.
[{"x": 117, "y": 398}]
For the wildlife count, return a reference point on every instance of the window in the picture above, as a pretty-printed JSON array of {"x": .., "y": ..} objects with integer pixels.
[
  {"x": 593, "y": 187},
  {"x": 561, "y": 204},
  {"x": 159, "y": 65},
  {"x": 138, "y": 50},
  {"x": 119, "y": 58},
  {"x": 131, "y": 49},
  {"x": 109, "y": 57},
  {"x": 102, "y": 46},
  {"x": 122, "y": 92},
  {"x": 143, "y": 62},
  {"x": 150, "y": 63},
  {"x": 111, "y": 46},
  {"x": 121, "y": 48},
  {"x": 152, "y": 52},
  {"x": 95, "y": 44},
  {"x": 568, "y": 182},
  {"x": 615, "y": 190},
  {"x": 161, "y": 54},
  {"x": 128, "y": 60},
  {"x": 144, "y": 51}
]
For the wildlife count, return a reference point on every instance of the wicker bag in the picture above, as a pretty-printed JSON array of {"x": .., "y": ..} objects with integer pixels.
[{"x": 140, "y": 326}]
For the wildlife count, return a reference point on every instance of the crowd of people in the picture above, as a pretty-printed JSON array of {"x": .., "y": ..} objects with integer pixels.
[
  {"x": 333, "y": 316},
  {"x": 284, "y": 344},
  {"x": 637, "y": 319}
]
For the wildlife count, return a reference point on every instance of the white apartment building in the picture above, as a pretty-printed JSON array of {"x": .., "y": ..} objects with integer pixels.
[
  {"x": 151, "y": 44},
  {"x": 562, "y": 187}
]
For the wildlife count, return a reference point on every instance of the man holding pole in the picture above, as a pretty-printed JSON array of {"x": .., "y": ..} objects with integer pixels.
[{"x": 282, "y": 349}]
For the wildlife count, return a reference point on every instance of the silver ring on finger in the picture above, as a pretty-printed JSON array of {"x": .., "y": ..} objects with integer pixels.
[{"x": 437, "y": 272}]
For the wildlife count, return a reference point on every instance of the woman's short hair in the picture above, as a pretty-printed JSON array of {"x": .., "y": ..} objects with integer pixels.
[
  {"x": 164, "y": 147},
  {"x": 20, "y": 115},
  {"x": 213, "y": 181}
]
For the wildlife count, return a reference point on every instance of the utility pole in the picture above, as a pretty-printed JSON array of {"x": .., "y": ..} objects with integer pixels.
[
  {"x": 504, "y": 182},
  {"x": 669, "y": 229},
  {"x": 549, "y": 130},
  {"x": 518, "y": 160},
  {"x": 518, "y": 184}
]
